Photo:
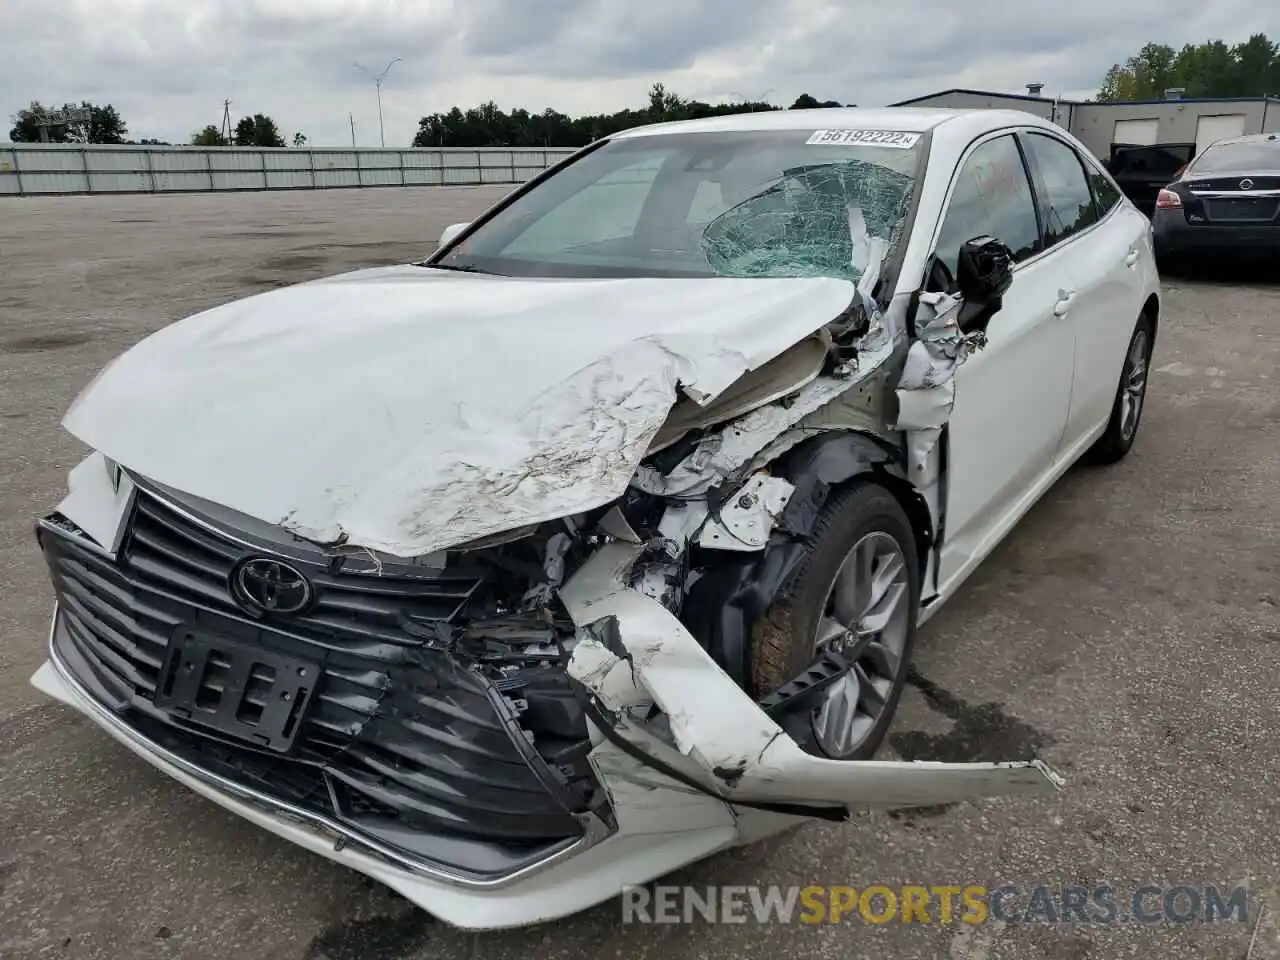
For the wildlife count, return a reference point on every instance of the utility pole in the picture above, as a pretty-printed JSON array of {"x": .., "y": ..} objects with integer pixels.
[
  {"x": 225, "y": 130},
  {"x": 377, "y": 82},
  {"x": 77, "y": 120},
  {"x": 751, "y": 98}
]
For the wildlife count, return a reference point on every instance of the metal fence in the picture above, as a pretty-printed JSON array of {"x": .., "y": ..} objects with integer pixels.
[{"x": 41, "y": 169}]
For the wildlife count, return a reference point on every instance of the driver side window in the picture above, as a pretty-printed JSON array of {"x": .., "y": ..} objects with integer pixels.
[{"x": 992, "y": 196}]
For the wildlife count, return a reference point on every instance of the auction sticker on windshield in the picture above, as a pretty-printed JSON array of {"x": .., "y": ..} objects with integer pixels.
[{"x": 871, "y": 138}]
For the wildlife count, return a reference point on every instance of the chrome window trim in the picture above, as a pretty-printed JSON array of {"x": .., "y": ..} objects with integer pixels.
[{"x": 1016, "y": 131}]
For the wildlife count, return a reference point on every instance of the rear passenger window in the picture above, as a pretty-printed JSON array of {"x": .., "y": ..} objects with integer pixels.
[
  {"x": 992, "y": 196},
  {"x": 1105, "y": 194},
  {"x": 1066, "y": 200}
]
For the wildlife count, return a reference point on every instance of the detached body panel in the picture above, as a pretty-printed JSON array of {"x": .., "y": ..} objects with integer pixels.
[{"x": 597, "y": 543}]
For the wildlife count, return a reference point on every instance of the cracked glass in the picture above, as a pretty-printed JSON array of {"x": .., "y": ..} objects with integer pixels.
[
  {"x": 814, "y": 221},
  {"x": 729, "y": 204}
]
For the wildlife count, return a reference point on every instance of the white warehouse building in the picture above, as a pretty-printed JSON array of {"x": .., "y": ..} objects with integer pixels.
[{"x": 1131, "y": 123}]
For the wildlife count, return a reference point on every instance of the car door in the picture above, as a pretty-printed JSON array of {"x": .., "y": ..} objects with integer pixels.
[
  {"x": 1012, "y": 396},
  {"x": 1099, "y": 245}
]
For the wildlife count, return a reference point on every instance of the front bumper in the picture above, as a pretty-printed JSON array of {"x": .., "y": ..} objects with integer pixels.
[
  {"x": 687, "y": 762},
  {"x": 396, "y": 745},
  {"x": 642, "y": 849}
]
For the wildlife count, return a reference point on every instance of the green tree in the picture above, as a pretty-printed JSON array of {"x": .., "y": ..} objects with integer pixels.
[
  {"x": 808, "y": 102},
  {"x": 299, "y": 139},
  {"x": 104, "y": 124},
  {"x": 664, "y": 104},
  {"x": 1144, "y": 76},
  {"x": 210, "y": 136},
  {"x": 1209, "y": 69},
  {"x": 1257, "y": 63},
  {"x": 258, "y": 131},
  {"x": 487, "y": 125}
]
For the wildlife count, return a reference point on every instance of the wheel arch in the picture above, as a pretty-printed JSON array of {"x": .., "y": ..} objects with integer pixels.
[
  {"x": 723, "y": 607},
  {"x": 1151, "y": 310},
  {"x": 824, "y": 465}
]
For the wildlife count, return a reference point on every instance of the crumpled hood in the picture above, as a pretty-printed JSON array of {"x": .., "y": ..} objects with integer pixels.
[{"x": 407, "y": 409}]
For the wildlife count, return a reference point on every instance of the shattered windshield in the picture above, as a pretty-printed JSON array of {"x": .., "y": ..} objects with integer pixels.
[{"x": 800, "y": 203}]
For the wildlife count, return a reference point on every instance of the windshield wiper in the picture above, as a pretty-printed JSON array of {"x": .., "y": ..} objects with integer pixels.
[{"x": 459, "y": 267}]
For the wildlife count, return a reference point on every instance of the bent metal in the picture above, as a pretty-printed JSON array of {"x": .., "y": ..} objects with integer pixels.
[{"x": 557, "y": 563}]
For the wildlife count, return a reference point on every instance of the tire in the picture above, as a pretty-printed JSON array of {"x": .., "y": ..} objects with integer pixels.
[
  {"x": 1122, "y": 428},
  {"x": 861, "y": 517}
]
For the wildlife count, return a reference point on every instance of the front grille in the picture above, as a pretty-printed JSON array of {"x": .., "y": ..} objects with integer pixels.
[
  {"x": 358, "y": 612},
  {"x": 408, "y": 744}
]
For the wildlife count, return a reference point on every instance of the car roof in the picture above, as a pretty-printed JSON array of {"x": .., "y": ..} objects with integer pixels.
[
  {"x": 909, "y": 119},
  {"x": 1246, "y": 138}
]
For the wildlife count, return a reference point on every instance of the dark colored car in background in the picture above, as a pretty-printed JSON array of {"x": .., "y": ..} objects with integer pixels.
[
  {"x": 1140, "y": 170},
  {"x": 1227, "y": 202}
]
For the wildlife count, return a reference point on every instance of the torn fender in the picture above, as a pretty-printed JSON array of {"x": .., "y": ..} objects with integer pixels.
[
  {"x": 926, "y": 388},
  {"x": 743, "y": 755},
  {"x": 736, "y": 446}
]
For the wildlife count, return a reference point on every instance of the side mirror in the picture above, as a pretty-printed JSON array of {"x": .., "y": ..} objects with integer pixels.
[
  {"x": 451, "y": 231},
  {"x": 984, "y": 272}
]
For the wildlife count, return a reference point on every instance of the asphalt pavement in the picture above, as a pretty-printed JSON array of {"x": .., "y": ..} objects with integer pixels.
[{"x": 1128, "y": 632}]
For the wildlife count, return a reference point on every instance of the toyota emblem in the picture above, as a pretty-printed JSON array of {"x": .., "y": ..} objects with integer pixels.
[
  {"x": 263, "y": 585},
  {"x": 1246, "y": 184}
]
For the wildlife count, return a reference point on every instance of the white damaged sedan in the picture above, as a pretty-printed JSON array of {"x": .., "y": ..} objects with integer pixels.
[{"x": 597, "y": 543}]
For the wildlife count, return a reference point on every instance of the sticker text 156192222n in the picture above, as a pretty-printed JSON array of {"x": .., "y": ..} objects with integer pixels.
[{"x": 901, "y": 139}]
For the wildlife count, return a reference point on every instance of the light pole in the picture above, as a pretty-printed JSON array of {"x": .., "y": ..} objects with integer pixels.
[{"x": 377, "y": 82}]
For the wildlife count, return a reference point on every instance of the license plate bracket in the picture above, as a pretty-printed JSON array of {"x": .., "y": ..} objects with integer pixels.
[
  {"x": 1242, "y": 208},
  {"x": 236, "y": 688}
]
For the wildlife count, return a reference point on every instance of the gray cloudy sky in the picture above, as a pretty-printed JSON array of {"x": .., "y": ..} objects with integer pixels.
[{"x": 168, "y": 64}]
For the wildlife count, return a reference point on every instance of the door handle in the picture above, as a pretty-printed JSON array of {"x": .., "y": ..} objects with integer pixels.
[
  {"x": 1064, "y": 302},
  {"x": 1131, "y": 259}
]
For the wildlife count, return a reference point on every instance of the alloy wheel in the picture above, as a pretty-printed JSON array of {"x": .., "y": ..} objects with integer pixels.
[
  {"x": 1133, "y": 387},
  {"x": 866, "y": 619}
]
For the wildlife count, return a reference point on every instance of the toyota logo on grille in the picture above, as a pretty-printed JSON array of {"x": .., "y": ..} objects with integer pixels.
[
  {"x": 1246, "y": 184},
  {"x": 263, "y": 585}
]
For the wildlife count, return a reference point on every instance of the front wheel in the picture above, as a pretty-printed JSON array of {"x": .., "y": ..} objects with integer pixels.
[
  {"x": 1131, "y": 395},
  {"x": 856, "y": 593}
]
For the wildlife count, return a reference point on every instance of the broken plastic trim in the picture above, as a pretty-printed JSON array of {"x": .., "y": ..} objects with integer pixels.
[
  {"x": 727, "y": 453},
  {"x": 603, "y": 722},
  {"x": 926, "y": 390},
  {"x": 663, "y": 666},
  {"x": 725, "y": 604},
  {"x": 816, "y": 677},
  {"x": 606, "y": 632}
]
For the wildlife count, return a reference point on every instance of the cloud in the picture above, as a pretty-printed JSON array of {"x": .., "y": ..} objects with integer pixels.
[
  {"x": 584, "y": 39},
  {"x": 168, "y": 64}
]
